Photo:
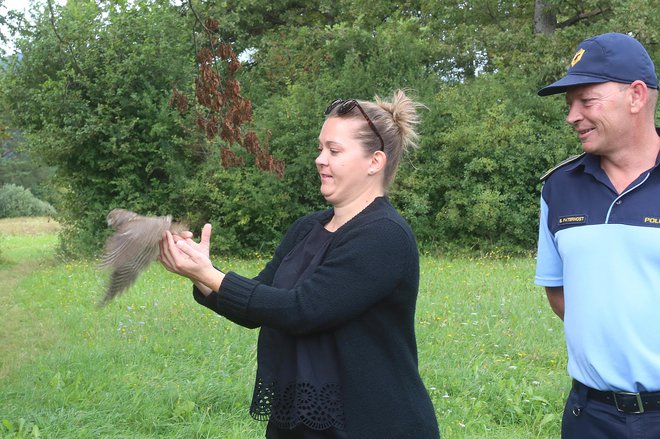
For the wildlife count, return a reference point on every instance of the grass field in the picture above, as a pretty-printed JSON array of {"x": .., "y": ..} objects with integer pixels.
[{"x": 153, "y": 363}]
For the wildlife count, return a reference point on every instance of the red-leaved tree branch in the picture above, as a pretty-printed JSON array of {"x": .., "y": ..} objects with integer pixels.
[{"x": 222, "y": 111}]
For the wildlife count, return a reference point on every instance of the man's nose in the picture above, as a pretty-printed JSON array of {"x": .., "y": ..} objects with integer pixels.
[{"x": 574, "y": 114}]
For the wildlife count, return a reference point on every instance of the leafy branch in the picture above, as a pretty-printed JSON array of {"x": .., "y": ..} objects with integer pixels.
[
  {"x": 223, "y": 111},
  {"x": 71, "y": 51}
]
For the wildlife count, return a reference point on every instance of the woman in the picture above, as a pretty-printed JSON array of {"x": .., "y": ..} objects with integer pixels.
[{"x": 337, "y": 355}]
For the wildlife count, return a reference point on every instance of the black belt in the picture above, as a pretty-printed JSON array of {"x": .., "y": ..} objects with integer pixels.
[{"x": 626, "y": 402}]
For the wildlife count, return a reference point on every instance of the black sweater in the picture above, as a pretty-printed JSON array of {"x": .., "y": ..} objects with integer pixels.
[{"x": 364, "y": 293}]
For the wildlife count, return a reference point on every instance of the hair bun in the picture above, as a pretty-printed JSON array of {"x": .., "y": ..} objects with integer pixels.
[{"x": 403, "y": 111}]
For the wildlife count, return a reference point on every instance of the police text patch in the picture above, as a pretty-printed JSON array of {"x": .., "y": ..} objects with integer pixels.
[{"x": 572, "y": 219}]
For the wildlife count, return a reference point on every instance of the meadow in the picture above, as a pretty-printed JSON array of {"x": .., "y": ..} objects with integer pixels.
[{"x": 153, "y": 363}]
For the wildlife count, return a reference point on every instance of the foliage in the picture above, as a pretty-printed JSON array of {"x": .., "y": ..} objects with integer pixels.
[
  {"x": 16, "y": 201},
  {"x": 91, "y": 96},
  {"x": 249, "y": 208},
  {"x": 476, "y": 178},
  {"x": 221, "y": 110},
  {"x": 21, "y": 170},
  {"x": 17, "y": 166},
  {"x": 9, "y": 20}
]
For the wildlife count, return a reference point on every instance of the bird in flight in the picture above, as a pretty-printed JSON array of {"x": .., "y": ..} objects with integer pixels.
[{"x": 132, "y": 247}]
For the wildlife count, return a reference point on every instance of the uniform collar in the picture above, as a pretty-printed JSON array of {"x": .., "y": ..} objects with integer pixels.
[{"x": 590, "y": 164}]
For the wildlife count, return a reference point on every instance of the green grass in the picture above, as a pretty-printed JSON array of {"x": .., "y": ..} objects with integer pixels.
[{"x": 153, "y": 363}]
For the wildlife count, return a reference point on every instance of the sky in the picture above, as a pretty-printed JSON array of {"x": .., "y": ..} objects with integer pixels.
[{"x": 18, "y": 5}]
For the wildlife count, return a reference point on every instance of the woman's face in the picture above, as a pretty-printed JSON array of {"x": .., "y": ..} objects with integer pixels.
[{"x": 342, "y": 162}]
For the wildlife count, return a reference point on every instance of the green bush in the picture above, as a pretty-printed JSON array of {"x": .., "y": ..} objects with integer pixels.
[
  {"x": 250, "y": 210},
  {"x": 17, "y": 201},
  {"x": 475, "y": 180},
  {"x": 109, "y": 132},
  {"x": 116, "y": 142}
]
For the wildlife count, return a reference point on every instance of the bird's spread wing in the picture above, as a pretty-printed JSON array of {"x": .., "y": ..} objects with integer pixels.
[
  {"x": 131, "y": 248},
  {"x": 131, "y": 237},
  {"x": 125, "y": 275},
  {"x": 117, "y": 217}
]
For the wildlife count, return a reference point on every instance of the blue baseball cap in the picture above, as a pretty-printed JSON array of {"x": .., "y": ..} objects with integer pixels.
[{"x": 606, "y": 58}]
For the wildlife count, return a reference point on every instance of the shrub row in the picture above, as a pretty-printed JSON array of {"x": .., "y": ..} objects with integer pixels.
[{"x": 16, "y": 201}]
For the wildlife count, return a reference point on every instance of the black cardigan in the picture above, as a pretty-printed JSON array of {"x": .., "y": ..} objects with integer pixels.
[{"x": 364, "y": 293}]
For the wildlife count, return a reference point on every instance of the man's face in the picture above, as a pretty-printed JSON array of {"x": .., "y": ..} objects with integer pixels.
[{"x": 599, "y": 114}]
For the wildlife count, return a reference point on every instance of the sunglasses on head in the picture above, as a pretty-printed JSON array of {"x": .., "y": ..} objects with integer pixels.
[{"x": 345, "y": 106}]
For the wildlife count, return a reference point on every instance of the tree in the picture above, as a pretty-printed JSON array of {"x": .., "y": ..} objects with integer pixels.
[
  {"x": 94, "y": 89},
  {"x": 221, "y": 110},
  {"x": 91, "y": 95},
  {"x": 8, "y": 20}
]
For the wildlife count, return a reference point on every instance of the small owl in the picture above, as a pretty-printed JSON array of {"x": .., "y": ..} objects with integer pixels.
[{"x": 132, "y": 247}]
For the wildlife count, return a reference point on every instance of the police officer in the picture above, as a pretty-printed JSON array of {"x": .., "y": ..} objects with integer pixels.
[{"x": 599, "y": 241}]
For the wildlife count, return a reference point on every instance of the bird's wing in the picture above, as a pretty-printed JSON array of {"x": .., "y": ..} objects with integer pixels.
[
  {"x": 131, "y": 237},
  {"x": 125, "y": 275},
  {"x": 131, "y": 249},
  {"x": 117, "y": 217}
]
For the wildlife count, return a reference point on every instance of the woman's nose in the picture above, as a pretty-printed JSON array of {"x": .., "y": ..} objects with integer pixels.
[{"x": 320, "y": 158}]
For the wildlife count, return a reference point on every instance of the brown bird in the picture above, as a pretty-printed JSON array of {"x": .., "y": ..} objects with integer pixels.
[{"x": 132, "y": 247}]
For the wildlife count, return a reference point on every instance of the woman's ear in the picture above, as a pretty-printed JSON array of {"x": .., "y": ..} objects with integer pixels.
[{"x": 378, "y": 162}]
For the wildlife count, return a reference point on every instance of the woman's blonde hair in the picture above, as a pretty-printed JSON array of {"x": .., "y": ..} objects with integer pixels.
[{"x": 395, "y": 120}]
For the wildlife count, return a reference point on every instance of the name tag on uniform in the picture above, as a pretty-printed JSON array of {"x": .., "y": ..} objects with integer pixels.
[{"x": 571, "y": 220}]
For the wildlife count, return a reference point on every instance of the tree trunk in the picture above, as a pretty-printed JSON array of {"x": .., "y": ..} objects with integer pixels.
[{"x": 545, "y": 21}]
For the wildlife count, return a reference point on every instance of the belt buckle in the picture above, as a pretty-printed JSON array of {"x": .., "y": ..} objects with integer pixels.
[{"x": 637, "y": 396}]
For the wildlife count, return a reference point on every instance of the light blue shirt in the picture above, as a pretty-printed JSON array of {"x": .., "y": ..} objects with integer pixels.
[{"x": 604, "y": 249}]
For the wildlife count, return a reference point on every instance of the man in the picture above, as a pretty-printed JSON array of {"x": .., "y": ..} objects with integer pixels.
[{"x": 599, "y": 241}]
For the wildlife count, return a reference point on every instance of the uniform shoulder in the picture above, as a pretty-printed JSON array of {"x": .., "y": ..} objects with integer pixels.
[{"x": 568, "y": 161}]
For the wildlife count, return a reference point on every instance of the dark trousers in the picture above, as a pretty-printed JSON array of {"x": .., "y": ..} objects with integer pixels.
[
  {"x": 302, "y": 432},
  {"x": 588, "y": 419}
]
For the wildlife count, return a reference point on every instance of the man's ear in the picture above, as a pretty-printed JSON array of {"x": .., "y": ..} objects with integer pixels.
[{"x": 639, "y": 95}]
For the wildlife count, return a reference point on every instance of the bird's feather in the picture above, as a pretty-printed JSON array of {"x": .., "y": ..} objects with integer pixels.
[{"x": 132, "y": 247}]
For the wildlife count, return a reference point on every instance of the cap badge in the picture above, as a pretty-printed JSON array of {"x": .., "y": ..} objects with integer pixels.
[{"x": 577, "y": 57}]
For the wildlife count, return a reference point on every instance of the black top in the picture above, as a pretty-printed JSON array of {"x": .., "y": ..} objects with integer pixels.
[
  {"x": 363, "y": 294},
  {"x": 297, "y": 382}
]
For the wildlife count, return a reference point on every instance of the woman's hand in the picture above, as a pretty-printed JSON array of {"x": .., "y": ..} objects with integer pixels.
[{"x": 185, "y": 257}]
